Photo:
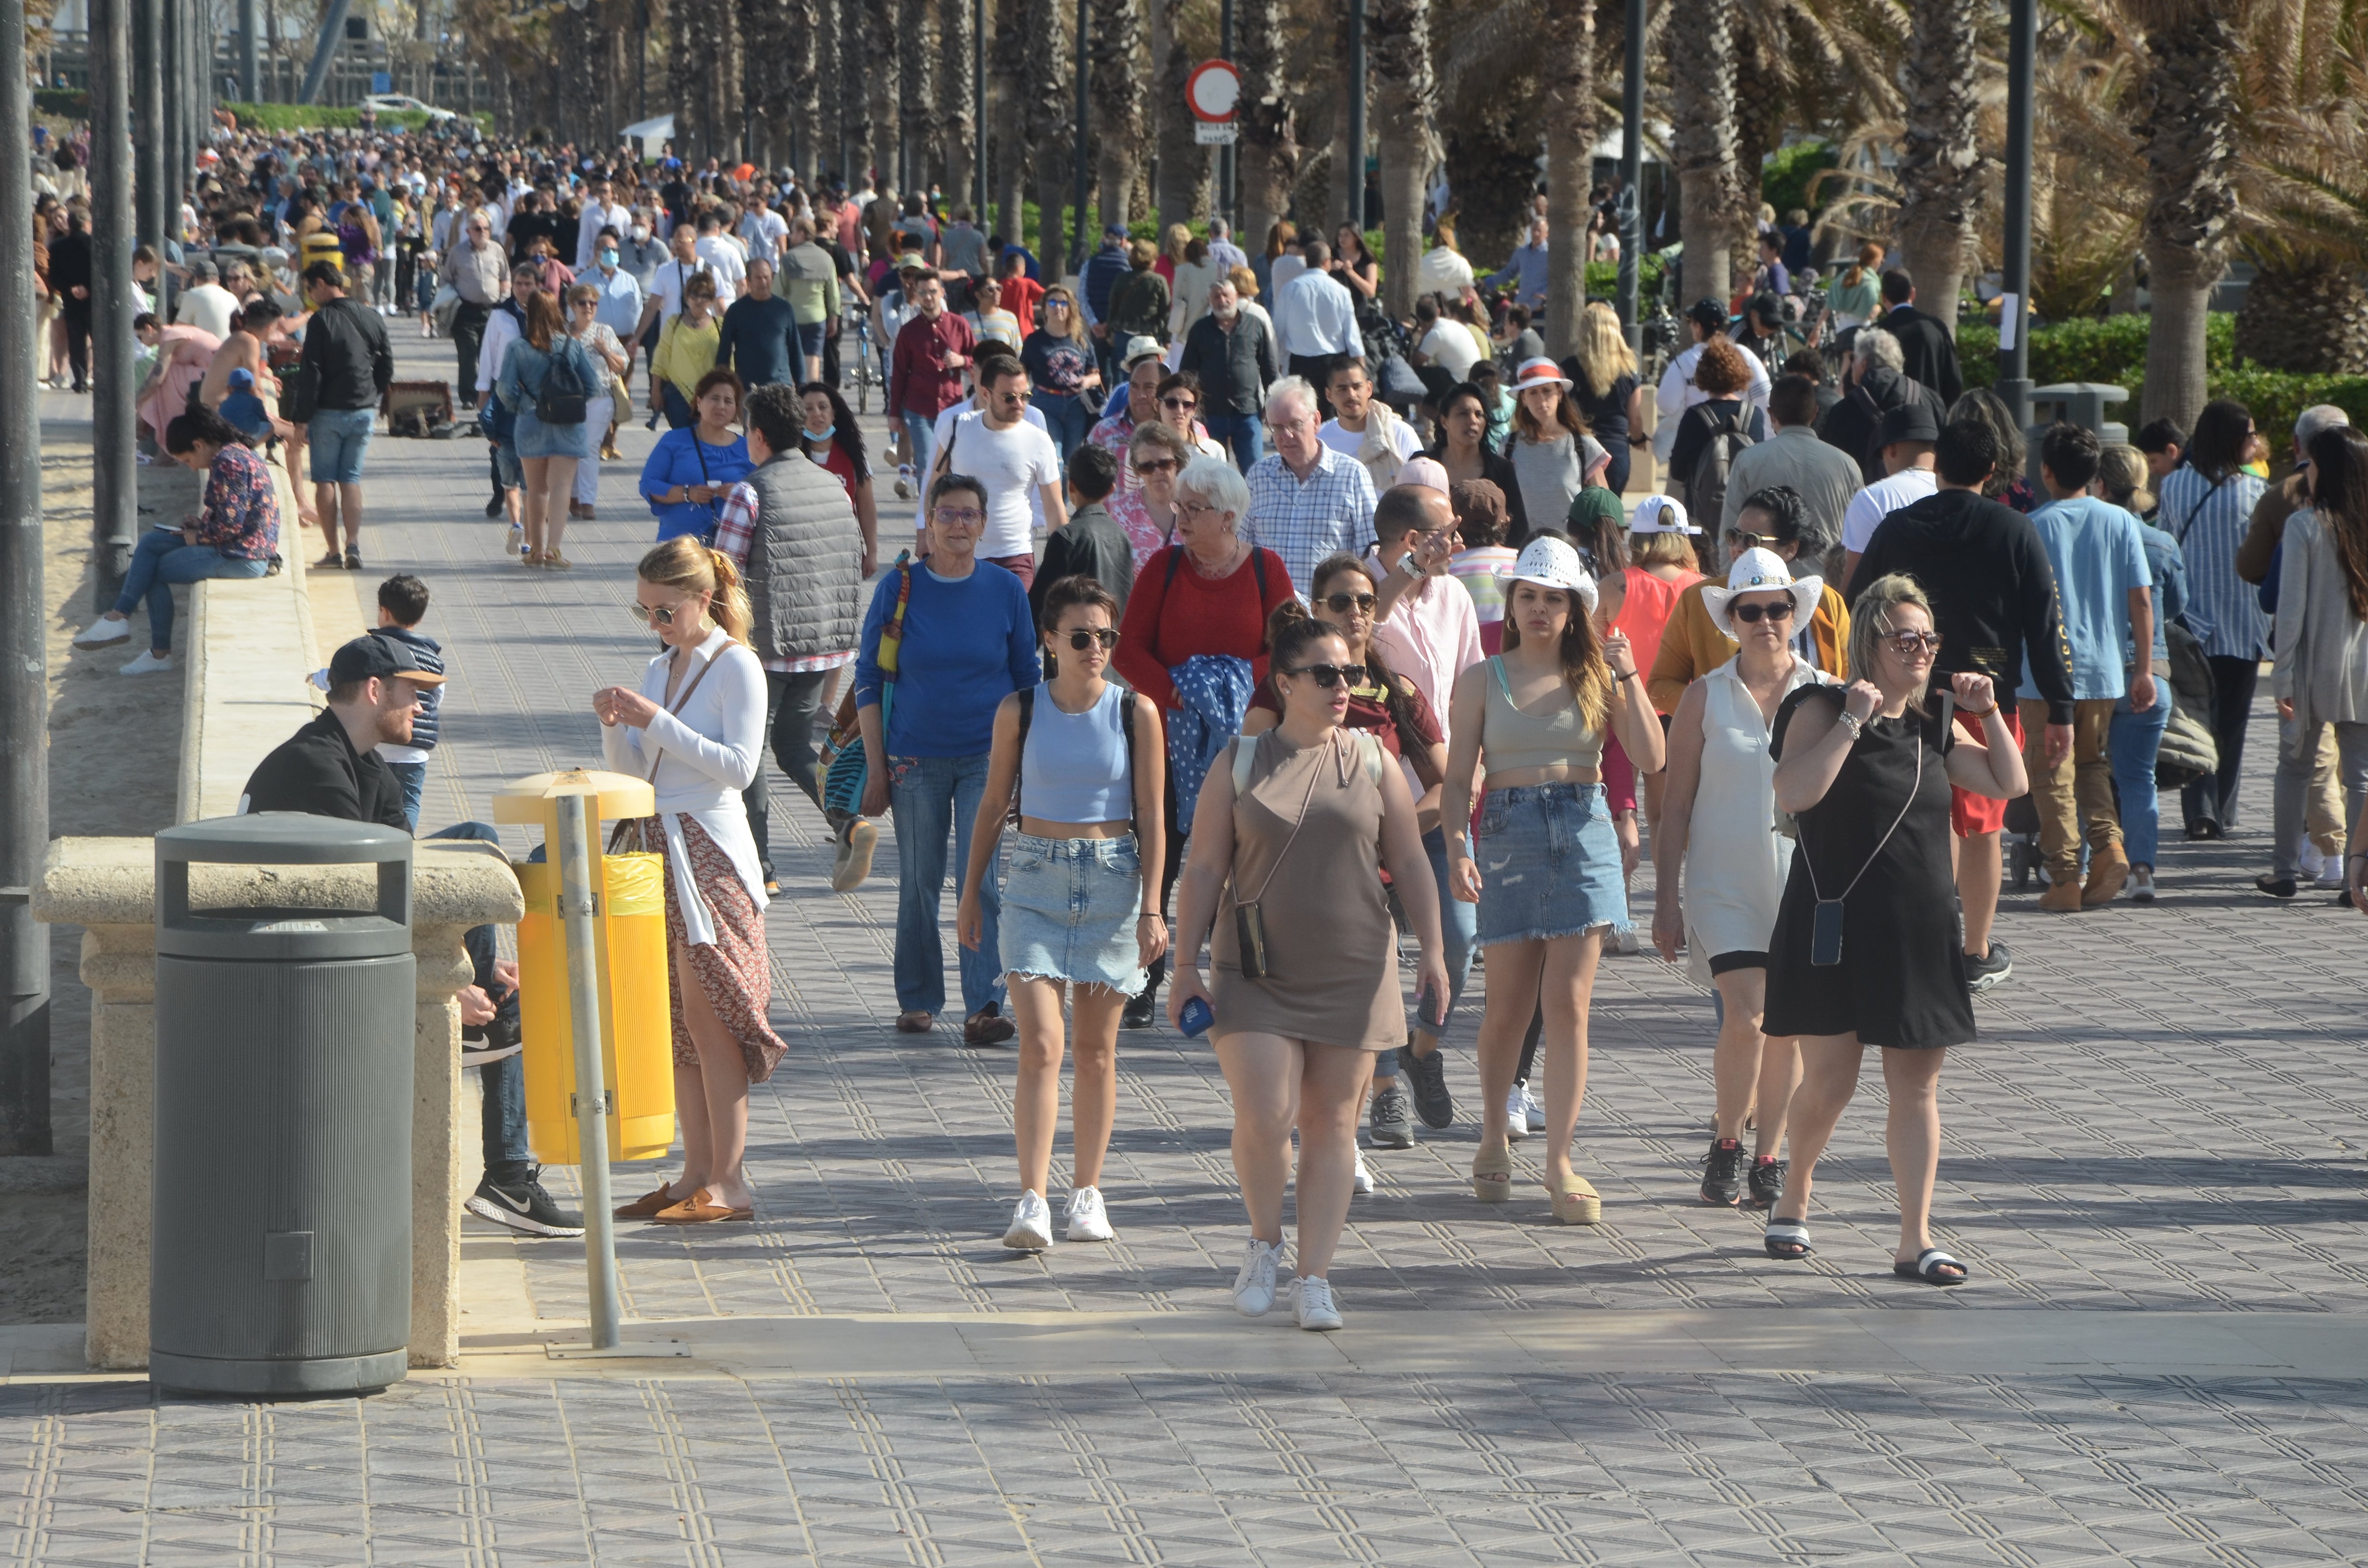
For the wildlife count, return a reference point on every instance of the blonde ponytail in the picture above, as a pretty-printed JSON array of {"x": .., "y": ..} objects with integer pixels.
[
  {"x": 731, "y": 603},
  {"x": 690, "y": 567}
]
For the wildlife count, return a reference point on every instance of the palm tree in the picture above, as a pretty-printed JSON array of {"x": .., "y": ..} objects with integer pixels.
[
  {"x": 2189, "y": 128},
  {"x": 1049, "y": 123},
  {"x": 1012, "y": 146},
  {"x": 1942, "y": 175},
  {"x": 1568, "y": 47},
  {"x": 956, "y": 123},
  {"x": 1183, "y": 175},
  {"x": 1268, "y": 156},
  {"x": 878, "y": 70},
  {"x": 2306, "y": 206},
  {"x": 1116, "y": 89},
  {"x": 915, "y": 102},
  {"x": 1405, "y": 97},
  {"x": 1701, "y": 67}
]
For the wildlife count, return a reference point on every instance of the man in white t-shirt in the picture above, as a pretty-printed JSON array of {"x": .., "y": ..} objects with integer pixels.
[
  {"x": 1909, "y": 433},
  {"x": 764, "y": 229},
  {"x": 1365, "y": 428},
  {"x": 943, "y": 429},
  {"x": 998, "y": 447},
  {"x": 723, "y": 258},
  {"x": 600, "y": 212}
]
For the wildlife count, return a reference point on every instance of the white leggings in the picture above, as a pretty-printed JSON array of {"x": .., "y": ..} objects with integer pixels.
[{"x": 597, "y": 415}]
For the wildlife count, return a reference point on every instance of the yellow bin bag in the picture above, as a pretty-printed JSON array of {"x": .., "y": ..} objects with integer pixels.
[{"x": 636, "y": 1034}]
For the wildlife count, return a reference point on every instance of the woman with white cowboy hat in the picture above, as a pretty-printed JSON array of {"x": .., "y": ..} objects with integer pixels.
[
  {"x": 1543, "y": 866},
  {"x": 1553, "y": 457},
  {"x": 1717, "y": 820}
]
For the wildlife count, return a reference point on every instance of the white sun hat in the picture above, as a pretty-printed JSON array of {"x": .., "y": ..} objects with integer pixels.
[
  {"x": 1763, "y": 571},
  {"x": 1551, "y": 563}
]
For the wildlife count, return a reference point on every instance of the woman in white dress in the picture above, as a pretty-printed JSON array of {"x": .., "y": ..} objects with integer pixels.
[{"x": 1718, "y": 821}]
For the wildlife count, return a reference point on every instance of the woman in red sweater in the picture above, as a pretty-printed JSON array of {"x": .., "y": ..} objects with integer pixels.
[{"x": 1209, "y": 593}]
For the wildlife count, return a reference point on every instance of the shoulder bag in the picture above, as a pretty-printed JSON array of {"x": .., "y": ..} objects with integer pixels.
[
  {"x": 1249, "y": 918},
  {"x": 844, "y": 764},
  {"x": 1826, "y": 931}
]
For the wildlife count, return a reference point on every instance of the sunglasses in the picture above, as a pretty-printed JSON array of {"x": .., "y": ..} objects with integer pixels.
[
  {"x": 1331, "y": 675},
  {"x": 1182, "y": 403},
  {"x": 1746, "y": 540},
  {"x": 1911, "y": 642},
  {"x": 1085, "y": 637},
  {"x": 1156, "y": 465},
  {"x": 658, "y": 615},
  {"x": 1781, "y": 611},
  {"x": 1340, "y": 604},
  {"x": 1056, "y": 304},
  {"x": 953, "y": 517}
]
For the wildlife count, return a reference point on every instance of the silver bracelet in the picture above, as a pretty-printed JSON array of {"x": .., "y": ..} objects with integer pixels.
[{"x": 1853, "y": 723}]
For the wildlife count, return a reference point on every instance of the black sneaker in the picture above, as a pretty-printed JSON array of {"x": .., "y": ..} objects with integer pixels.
[
  {"x": 1141, "y": 1009},
  {"x": 1428, "y": 1075},
  {"x": 523, "y": 1206},
  {"x": 480, "y": 1043},
  {"x": 1767, "y": 1182},
  {"x": 493, "y": 508},
  {"x": 1722, "y": 1171},
  {"x": 1984, "y": 973}
]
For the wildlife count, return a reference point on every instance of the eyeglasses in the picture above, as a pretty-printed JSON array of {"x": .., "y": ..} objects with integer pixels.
[
  {"x": 1748, "y": 614},
  {"x": 657, "y": 615},
  {"x": 1340, "y": 604},
  {"x": 1331, "y": 675},
  {"x": 1156, "y": 465},
  {"x": 1909, "y": 643},
  {"x": 1085, "y": 637},
  {"x": 1277, "y": 427},
  {"x": 957, "y": 516},
  {"x": 1185, "y": 404}
]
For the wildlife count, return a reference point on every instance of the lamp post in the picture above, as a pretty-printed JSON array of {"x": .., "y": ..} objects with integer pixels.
[
  {"x": 977, "y": 115},
  {"x": 2014, "y": 320},
  {"x": 1632, "y": 171},
  {"x": 1357, "y": 116},
  {"x": 1083, "y": 172},
  {"x": 1225, "y": 153},
  {"x": 115, "y": 471}
]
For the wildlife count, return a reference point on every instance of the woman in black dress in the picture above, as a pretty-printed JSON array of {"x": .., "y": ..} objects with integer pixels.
[{"x": 1866, "y": 769}]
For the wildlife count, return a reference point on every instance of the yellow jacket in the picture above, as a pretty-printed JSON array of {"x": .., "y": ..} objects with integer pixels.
[{"x": 1691, "y": 647}]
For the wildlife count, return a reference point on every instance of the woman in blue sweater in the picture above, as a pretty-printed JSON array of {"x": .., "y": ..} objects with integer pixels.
[
  {"x": 967, "y": 642},
  {"x": 690, "y": 470}
]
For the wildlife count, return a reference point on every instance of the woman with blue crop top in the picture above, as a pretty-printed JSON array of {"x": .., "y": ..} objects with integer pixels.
[{"x": 1080, "y": 903}]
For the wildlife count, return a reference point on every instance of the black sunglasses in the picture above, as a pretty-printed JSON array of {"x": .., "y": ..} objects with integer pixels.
[
  {"x": 1781, "y": 611},
  {"x": 1339, "y": 604},
  {"x": 1085, "y": 637},
  {"x": 1329, "y": 675}
]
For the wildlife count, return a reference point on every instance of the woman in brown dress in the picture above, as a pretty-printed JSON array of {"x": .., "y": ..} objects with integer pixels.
[{"x": 1300, "y": 826}]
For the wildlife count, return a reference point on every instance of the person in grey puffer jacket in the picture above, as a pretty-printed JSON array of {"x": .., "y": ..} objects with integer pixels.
[{"x": 792, "y": 529}]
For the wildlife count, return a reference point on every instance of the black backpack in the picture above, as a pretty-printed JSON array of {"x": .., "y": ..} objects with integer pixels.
[
  {"x": 562, "y": 399},
  {"x": 1706, "y": 486}
]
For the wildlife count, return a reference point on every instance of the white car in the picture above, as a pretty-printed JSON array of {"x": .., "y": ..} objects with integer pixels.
[{"x": 404, "y": 103}]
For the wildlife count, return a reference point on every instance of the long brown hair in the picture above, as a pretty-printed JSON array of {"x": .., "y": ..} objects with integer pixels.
[
  {"x": 2339, "y": 489},
  {"x": 685, "y": 563},
  {"x": 544, "y": 321},
  {"x": 1585, "y": 670}
]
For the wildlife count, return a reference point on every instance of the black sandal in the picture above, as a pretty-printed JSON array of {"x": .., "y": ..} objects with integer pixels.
[
  {"x": 1928, "y": 1268},
  {"x": 1787, "y": 1241}
]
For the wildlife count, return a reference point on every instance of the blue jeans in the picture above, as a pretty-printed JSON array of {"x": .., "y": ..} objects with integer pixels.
[
  {"x": 509, "y": 1157},
  {"x": 2135, "y": 739},
  {"x": 1458, "y": 924},
  {"x": 920, "y": 442},
  {"x": 679, "y": 415},
  {"x": 160, "y": 560},
  {"x": 1243, "y": 435},
  {"x": 1065, "y": 420},
  {"x": 338, "y": 437},
  {"x": 927, "y": 795},
  {"x": 413, "y": 775}
]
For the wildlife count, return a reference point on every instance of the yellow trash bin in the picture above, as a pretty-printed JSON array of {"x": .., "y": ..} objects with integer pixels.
[{"x": 636, "y": 1034}]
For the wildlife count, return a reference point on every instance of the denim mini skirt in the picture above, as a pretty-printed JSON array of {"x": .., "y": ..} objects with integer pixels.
[
  {"x": 1069, "y": 908},
  {"x": 1549, "y": 864},
  {"x": 536, "y": 440}
]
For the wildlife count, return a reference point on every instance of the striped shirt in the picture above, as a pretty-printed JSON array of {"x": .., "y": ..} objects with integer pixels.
[
  {"x": 1329, "y": 513},
  {"x": 2209, "y": 520}
]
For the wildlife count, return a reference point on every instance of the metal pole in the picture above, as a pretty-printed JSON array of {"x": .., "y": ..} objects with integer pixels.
[
  {"x": 2014, "y": 335},
  {"x": 325, "y": 49},
  {"x": 1357, "y": 115},
  {"x": 576, "y": 869},
  {"x": 168, "y": 122},
  {"x": 1632, "y": 171},
  {"x": 1226, "y": 167},
  {"x": 246, "y": 26},
  {"x": 148, "y": 115},
  {"x": 1084, "y": 173},
  {"x": 978, "y": 118},
  {"x": 115, "y": 470},
  {"x": 24, "y": 654}
]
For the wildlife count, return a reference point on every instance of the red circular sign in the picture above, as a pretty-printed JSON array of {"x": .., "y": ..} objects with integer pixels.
[{"x": 1212, "y": 90}]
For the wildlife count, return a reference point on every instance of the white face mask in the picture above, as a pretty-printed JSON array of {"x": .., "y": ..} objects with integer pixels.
[{"x": 641, "y": 233}]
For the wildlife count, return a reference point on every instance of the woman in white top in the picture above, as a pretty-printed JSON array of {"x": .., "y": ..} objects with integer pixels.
[
  {"x": 1717, "y": 821},
  {"x": 695, "y": 728},
  {"x": 1080, "y": 909},
  {"x": 609, "y": 360},
  {"x": 2322, "y": 640}
]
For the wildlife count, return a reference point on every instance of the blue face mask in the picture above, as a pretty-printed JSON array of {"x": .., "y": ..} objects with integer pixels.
[
  {"x": 608, "y": 258},
  {"x": 823, "y": 436}
]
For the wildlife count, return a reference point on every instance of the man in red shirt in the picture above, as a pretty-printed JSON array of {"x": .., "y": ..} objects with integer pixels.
[{"x": 925, "y": 376}]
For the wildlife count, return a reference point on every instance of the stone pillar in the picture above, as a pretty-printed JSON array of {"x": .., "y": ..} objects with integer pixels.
[{"x": 108, "y": 886}]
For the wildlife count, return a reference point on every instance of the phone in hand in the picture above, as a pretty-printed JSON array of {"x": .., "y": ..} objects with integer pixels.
[
  {"x": 1430, "y": 1010},
  {"x": 1197, "y": 1016}
]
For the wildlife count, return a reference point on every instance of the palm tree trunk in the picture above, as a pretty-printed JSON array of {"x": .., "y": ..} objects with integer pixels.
[
  {"x": 1048, "y": 127},
  {"x": 1011, "y": 111},
  {"x": 1267, "y": 157},
  {"x": 915, "y": 117},
  {"x": 1701, "y": 88},
  {"x": 800, "y": 95},
  {"x": 1117, "y": 93},
  {"x": 956, "y": 124},
  {"x": 1183, "y": 163},
  {"x": 879, "y": 69},
  {"x": 1569, "y": 58},
  {"x": 1406, "y": 97},
  {"x": 2191, "y": 149},
  {"x": 1940, "y": 165},
  {"x": 1341, "y": 163}
]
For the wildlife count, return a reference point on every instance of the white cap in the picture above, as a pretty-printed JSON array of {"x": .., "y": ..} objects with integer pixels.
[{"x": 1660, "y": 515}]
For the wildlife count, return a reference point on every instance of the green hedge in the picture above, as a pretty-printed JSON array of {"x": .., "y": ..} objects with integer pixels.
[
  {"x": 317, "y": 117},
  {"x": 2278, "y": 397},
  {"x": 2113, "y": 349},
  {"x": 1784, "y": 177}
]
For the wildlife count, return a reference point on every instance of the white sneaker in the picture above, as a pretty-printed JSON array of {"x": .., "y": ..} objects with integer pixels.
[
  {"x": 2330, "y": 870},
  {"x": 1031, "y": 1225},
  {"x": 1516, "y": 1114},
  {"x": 518, "y": 538},
  {"x": 1088, "y": 1221},
  {"x": 2141, "y": 884},
  {"x": 1312, "y": 1305},
  {"x": 148, "y": 663},
  {"x": 905, "y": 482},
  {"x": 1533, "y": 1110},
  {"x": 102, "y": 631},
  {"x": 1254, "y": 1281},
  {"x": 1364, "y": 1180}
]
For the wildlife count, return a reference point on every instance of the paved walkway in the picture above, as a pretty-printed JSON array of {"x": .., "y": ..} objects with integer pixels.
[{"x": 2162, "y": 1118}]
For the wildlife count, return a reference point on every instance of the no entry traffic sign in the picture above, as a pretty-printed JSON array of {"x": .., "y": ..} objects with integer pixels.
[{"x": 1212, "y": 91}]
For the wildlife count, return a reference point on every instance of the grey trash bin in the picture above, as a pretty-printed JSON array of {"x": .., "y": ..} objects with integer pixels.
[{"x": 282, "y": 1181}]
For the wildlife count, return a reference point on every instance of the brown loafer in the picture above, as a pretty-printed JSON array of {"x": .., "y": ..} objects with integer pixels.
[
  {"x": 699, "y": 1210},
  {"x": 916, "y": 1023},
  {"x": 651, "y": 1205},
  {"x": 988, "y": 1027}
]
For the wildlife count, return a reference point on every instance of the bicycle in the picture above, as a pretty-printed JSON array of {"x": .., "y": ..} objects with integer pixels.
[{"x": 856, "y": 361}]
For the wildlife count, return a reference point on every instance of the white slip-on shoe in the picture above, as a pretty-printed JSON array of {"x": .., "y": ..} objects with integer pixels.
[
  {"x": 1364, "y": 1180},
  {"x": 147, "y": 663},
  {"x": 1313, "y": 1306},
  {"x": 1254, "y": 1281},
  {"x": 1517, "y": 1113},
  {"x": 1087, "y": 1220},
  {"x": 1031, "y": 1224},
  {"x": 102, "y": 631}
]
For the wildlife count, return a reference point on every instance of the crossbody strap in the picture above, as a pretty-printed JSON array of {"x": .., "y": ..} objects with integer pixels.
[
  {"x": 680, "y": 703},
  {"x": 1913, "y": 790},
  {"x": 1241, "y": 773}
]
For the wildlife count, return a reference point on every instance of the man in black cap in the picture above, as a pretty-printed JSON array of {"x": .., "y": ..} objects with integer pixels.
[
  {"x": 1872, "y": 385},
  {"x": 1760, "y": 334},
  {"x": 1905, "y": 443},
  {"x": 331, "y": 768},
  {"x": 1993, "y": 592}
]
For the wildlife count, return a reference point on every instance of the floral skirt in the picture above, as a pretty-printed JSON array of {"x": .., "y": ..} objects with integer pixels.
[{"x": 734, "y": 971}]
